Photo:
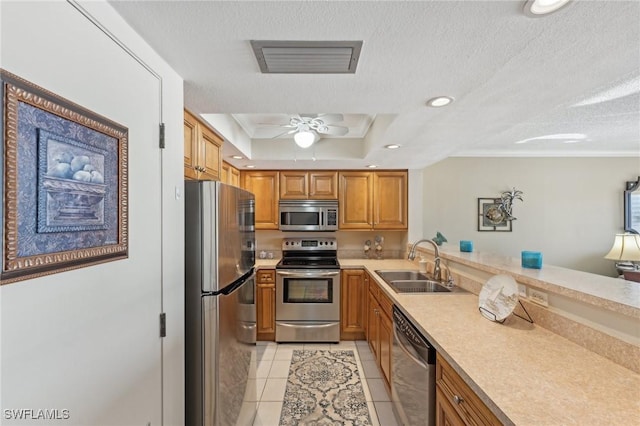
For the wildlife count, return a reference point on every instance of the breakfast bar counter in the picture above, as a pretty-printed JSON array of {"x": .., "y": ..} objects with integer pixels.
[{"x": 525, "y": 374}]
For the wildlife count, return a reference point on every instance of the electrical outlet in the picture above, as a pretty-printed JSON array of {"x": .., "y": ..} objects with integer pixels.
[
  {"x": 539, "y": 297},
  {"x": 522, "y": 290}
]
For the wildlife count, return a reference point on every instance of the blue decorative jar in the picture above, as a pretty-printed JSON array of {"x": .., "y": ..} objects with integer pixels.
[{"x": 532, "y": 259}]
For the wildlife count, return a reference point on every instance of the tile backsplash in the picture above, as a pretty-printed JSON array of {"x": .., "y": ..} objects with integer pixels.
[{"x": 350, "y": 243}]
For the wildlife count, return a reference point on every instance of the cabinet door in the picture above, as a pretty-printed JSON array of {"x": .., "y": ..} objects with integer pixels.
[
  {"x": 390, "y": 200},
  {"x": 225, "y": 172},
  {"x": 264, "y": 186},
  {"x": 356, "y": 193},
  {"x": 353, "y": 300},
  {"x": 210, "y": 160},
  {"x": 190, "y": 146},
  {"x": 266, "y": 311},
  {"x": 445, "y": 413},
  {"x": 372, "y": 325},
  {"x": 323, "y": 185},
  {"x": 293, "y": 185},
  {"x": 385, "y": 336},
  {"x": 234, "y": 176}
]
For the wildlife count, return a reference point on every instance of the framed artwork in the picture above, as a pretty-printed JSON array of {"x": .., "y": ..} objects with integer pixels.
[
  {"x": 64, "y": 184},
  {"x": 491, "y": 217}
]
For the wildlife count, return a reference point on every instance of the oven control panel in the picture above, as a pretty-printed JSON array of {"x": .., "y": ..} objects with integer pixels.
[{"x": 315, "y": 244}]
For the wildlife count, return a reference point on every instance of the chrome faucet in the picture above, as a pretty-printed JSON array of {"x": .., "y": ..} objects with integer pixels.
[{"x": 436, "y": 257}]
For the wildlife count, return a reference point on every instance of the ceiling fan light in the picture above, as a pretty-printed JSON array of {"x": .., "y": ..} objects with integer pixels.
[{"x": 304, "y": 139}]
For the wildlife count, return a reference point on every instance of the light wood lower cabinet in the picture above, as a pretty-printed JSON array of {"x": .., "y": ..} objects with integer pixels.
[
  {"x": 354, "y": 288},
  {"x": 446, "y": 415},
  {"x": 266, "y": 304},
  {"x": 456, "y": 403},
  {"x": 380, "y": 330}
]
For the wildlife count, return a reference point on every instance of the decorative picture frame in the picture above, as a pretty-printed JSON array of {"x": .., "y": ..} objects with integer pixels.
[
  {"x": 64, "y": 184},
  {"x": 491, "y": 218}
]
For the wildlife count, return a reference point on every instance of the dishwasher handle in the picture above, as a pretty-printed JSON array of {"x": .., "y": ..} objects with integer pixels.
[{"x": 402, "y": 346}]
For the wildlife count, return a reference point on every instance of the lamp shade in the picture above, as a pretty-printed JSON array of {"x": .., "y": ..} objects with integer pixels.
[
  {"x": 625, "y": 247},
  {"x": 304, "y": 138}
]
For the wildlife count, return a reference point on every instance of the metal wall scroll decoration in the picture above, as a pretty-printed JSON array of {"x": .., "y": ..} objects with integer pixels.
[
  {"x": 65, "y": 182},
  {"x": 496, "y": 214}
]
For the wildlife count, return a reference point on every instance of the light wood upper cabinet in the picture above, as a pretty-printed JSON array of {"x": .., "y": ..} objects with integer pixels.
[
  {"x": 294, "y": 185},
  {"x": 230, "y": 174},
  {"x": 202, "y": 148},
  {"x": 390, "y": 197},
  {"x": 356, "y": 200},
  {"x": 313, "y": 185},
  {"x": 265, "y": 187},
  {"x": 373, "y": 200}
]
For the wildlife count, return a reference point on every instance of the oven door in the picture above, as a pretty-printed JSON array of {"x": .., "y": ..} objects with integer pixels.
[{"x": 307, "y": 295}]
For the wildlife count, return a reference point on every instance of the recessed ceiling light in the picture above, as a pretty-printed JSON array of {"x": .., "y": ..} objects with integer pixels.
[
  {"x": 538, "y": 8},
  {"x": 250, "y": 166},
  {"x": 439, "y": 101},
  {"x": 392, "y": 146},
  {"x": 372, "y": 166},
  {"x": 237, "y": 157}
]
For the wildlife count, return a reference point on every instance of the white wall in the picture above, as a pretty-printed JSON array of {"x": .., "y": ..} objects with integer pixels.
[
  {"x": 87, "y": 340},
  {"x": 572, "y": 207}
]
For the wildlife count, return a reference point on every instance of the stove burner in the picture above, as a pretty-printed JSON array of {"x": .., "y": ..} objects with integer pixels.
[
  {"x": 309, "y": 253},
  {"x": 309, "y": 263}
]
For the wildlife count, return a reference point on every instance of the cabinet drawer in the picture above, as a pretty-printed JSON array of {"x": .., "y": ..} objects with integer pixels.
[
  {"x": 464, "y": 400},
  {"x": 266, "y": 276}
]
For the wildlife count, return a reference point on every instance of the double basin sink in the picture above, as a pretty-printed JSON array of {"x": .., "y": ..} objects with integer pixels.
[{"x": 410, "y": 281}]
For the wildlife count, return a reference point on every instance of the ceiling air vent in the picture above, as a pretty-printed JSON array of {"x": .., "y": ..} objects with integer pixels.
[{"x": 307, "y": 57}]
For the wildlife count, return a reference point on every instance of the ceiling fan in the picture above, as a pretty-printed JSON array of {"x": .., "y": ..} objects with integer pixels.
[{"x": 308, "y": 128}]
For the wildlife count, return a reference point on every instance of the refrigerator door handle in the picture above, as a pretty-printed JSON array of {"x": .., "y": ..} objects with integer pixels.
[{"x": 236, "y": 284}]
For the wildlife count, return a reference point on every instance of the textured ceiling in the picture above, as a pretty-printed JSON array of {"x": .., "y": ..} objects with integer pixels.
[{"x": 514, "y": 78}]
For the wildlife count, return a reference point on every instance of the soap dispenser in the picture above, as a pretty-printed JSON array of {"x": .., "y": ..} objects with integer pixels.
[{"x": 422, "y": 265}]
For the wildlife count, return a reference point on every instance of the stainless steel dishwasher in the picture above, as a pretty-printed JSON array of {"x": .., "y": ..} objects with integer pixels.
[{"x": 413, "y": 374}]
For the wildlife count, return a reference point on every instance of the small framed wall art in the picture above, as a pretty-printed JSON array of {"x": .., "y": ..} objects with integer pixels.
[
  {"x": 491, "y": 216},
  {"x": 64, "y": 184}
]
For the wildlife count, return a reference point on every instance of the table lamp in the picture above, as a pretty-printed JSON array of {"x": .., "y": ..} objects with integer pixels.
[{"x": 625, "y": 251}]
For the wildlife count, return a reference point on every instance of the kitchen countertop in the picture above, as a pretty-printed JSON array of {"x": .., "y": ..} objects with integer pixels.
[{"x": 525, "y": 374}]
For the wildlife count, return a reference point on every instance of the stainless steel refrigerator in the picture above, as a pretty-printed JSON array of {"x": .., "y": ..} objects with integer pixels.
[{"x": 220, "y": 310}]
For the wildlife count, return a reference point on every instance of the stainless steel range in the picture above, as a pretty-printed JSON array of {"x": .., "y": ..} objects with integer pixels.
[{"x": 308, "y": 291}]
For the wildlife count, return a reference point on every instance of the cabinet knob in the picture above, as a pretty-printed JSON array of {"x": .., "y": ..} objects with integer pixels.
[{"x": 458, "y": 399}]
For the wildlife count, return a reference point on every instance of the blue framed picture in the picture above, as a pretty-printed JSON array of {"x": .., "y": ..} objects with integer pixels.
[{"x": 64, "y": 186}]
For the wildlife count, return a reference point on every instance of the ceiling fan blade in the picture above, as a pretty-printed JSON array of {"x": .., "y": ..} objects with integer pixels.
[
  {"x": 330, "y": 118},
  {"x": 334, "y": 131},
  {"x": 285, "y": 133},
  {"x": 276, "y": 125}
]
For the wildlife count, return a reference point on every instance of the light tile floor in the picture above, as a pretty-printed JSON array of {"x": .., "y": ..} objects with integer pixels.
[{"x": 272, "y": 371}]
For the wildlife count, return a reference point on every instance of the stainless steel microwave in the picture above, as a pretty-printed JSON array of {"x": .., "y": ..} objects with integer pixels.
[{"x": 308, "y": 215}]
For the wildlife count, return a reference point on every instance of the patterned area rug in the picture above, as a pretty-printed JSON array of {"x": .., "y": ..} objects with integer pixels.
[{"x": 324, "y": 388}]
